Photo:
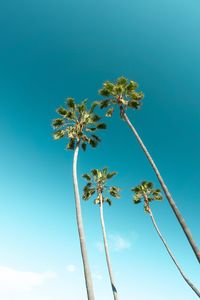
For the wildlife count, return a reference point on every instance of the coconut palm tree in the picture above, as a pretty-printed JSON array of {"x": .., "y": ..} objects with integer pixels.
[
  {"x": 97, "y": 186},
  {"x": 124, "y": 94},
  {"x": 78, "y": 124},
  {"x": 146, "y": 193}
]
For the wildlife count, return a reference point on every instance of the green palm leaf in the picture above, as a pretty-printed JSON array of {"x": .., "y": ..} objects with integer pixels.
[
  {"x": 111, "y": 174},
  {"x": 57, "y": 123},
  {"x": 61, "y": 111},
  {"x": 86, "y": 176},
  {"x": 70, "y": 102},
  {"x": 101, "y": 126},
  {"x": 84, "y": 146},
  {"x": 59, "y": 134},
  {"x": 109, "y": 112},
  {"x": 104, "y": 103},
  {"x": 71, "y": 144}
]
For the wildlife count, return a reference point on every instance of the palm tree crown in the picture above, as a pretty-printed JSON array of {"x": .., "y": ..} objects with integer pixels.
[
  {"x": 122, "y": 92},
  {"x": 78, "y": 124},
  {"x": 97, "y": 184},
  {"x": 146, "y": 192}
]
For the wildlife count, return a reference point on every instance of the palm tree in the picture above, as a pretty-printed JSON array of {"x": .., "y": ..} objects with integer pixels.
[
  {"x": 97, "y": 185},
  {"x": 147, "y": 193},
  {"x": 123, "y": 93},
  {"x": 78, "y": 124}
]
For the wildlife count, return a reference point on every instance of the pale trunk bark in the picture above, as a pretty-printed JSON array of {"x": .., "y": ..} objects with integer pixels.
[
  {"x": 87, "y": 273},
  {"x": 114, "y": 290},
  {"x": 165, "y": 189},
  {"x": 172, "y": 256}
]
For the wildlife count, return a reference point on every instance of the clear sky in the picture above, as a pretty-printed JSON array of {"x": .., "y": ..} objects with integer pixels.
[{"x": 54, "y": 49}]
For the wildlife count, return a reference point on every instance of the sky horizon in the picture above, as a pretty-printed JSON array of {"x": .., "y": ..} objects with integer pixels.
[{"x": 57, "y": 49}]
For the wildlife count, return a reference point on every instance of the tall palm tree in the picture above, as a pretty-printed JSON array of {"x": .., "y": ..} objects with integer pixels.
[
  {"x": 145, "y": 192},
  {"x": 78, "y": 124},
  {"x": 97, "y": 186},
  {"x": 123, "y": 93}
]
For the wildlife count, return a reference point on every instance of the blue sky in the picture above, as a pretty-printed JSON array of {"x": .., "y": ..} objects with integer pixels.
[{"x": 54, "y": 49}]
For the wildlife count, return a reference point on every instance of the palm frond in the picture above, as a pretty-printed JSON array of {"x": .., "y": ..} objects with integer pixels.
[
  {"x": 137, "y": 200},
  {"x": 94, "y": 172},
  {"x": 97, "y": 200},
  {"x": 101, "y": 126},
  {"x": 158, "y": 197},
  {"x": 61, "y": 111},
  {"x": 58, "y": 134},
  {"x": 94, "y": 105},
  {"x": 137, "y": 96},
  {"x": 84, "y": 146},
  {"x": 86, "y": 176},
  {"x": 133, "y": 104},
  {"x": 88, "y": 193},
  {"x": 104, "y": 92},
  {"x": 96, "y": 137},
  {"x": 57, "y": 123},
  {"x": 111, "y": 174},
  {"x": 131, "y": 86},
  {"x": 108, "y": 86},
  {"x": 122, "y": 81},
  {"x": 108, "y": 201},
  {"x": 114, "y": 191},
  {"x": 71, "y": 144},
  {"x": 70, "y": 102},
  {"x": 104, "y": 103},
  {"x": 70, "y": 115},
  {"x": 90, "y": 129},
  {"x": 109, "y": 112},
  {"x": 95, "y": 118},
  {"x": 93, "y": 143},
  {"x": 149, "y": 185},
  {"x": 82, "y": 106}
]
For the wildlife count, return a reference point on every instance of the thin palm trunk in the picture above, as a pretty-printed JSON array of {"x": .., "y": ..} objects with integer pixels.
[
  {"x": 114, "y": 290},
  {"x": 87, "y": 273},
  {"x": 165, "y": 189},
  {"x": 172, "y": 256}
]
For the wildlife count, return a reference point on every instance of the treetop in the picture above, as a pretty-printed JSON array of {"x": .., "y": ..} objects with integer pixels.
[
  {"x": 78, "y": 124},
  {"x": 97, "y": 184}
]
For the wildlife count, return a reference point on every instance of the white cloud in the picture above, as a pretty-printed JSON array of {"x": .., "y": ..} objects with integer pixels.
[
  {"x": 119, "y": 243},
  {"x": 13, "y": 279},
  {"x": 97, "y": 275},
  {"x": 71, "y": 268},
  {"x": 99, "y": 246},
  {"x": 115, "y": 242}
]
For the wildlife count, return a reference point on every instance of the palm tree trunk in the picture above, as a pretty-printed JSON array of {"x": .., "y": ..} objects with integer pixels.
[
  {"x": 165, "y": 189},
  {"x": 172, "y": 256},
  {"x": 115, "y": 294},
  {"x": 87, "y": 273}
]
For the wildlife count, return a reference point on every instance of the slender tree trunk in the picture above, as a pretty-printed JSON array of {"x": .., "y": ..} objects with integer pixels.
[
  {"x": 87, "y": 273},
  {"x": 172, "y": 256},
  {"x": 115, "y": 293},
  {"x": 165, "y": 189}
]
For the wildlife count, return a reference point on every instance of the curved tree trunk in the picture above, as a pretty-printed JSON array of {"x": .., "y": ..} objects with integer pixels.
[
  {"x": 165, "y": 189},
  {"x": 87, "y": 273},
  {"x": 172, "y": 256},
  {"x": 115, "y": 294}
]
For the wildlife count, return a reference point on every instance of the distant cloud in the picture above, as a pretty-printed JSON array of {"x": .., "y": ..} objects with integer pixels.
[
  {"x": 119, "y": 243},
  {"x": 99, "y": 246},
  {"x": 116, "y": 243},
  {"x": 14, "y": 279},
  {"x": 71, "y": 268},
  {"x": 97, "y": 275}
]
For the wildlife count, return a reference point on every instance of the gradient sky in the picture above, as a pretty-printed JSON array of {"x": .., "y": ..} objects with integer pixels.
[{"x": 54, "y": 49}]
